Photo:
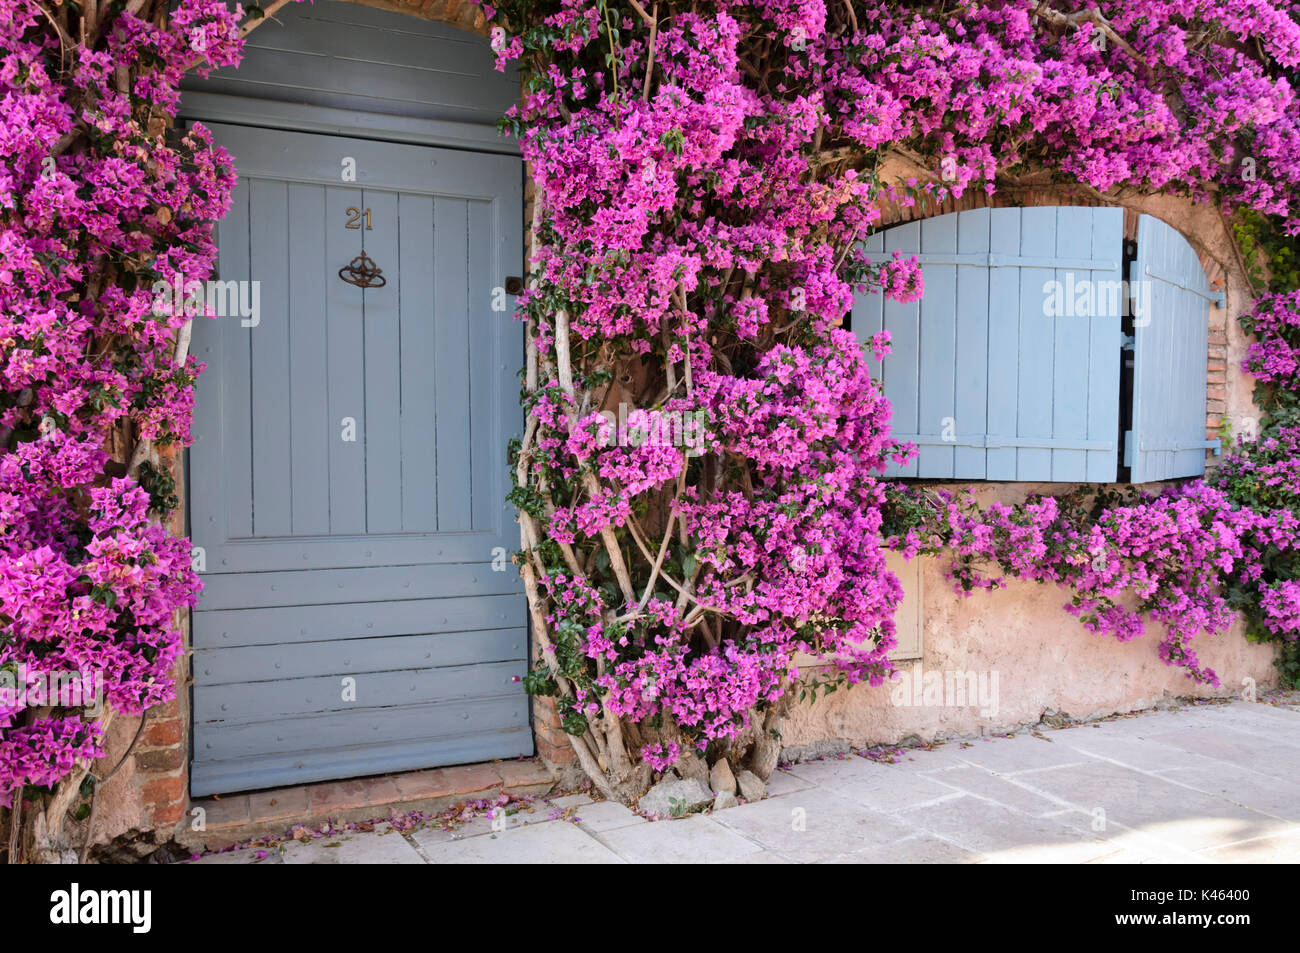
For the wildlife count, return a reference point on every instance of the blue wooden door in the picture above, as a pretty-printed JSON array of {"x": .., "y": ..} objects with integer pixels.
[{"x": 349, "y": 469}]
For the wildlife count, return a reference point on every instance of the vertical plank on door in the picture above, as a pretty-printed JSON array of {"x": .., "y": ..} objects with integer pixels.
[
  {"x": 1194, "y": 331},
  {"x": 869, "y": 312},
  {"x": 383, "y": 368},
  {"x": 346, "y": 354},
  {"x": 416, "y": 307},
  {"x": 1071, "y": 353},
  {"x": 1037, "y": 337},
  {"x": 936, "y": 401},
  {"x": 487, "y": 455},
  {"x": 451, "y": 323},
  {"x": 1104, "y": 348},
  {"x": 868, "y": 316},
  {"x": 1004, "y": 342},
  {"x": 236, "y": 375},
  {"x": 269, "y": 253},
  {"x": 971, "y": 383},
  {"x": 902, "y": 321},
  {"x": 308, "y": 388}
]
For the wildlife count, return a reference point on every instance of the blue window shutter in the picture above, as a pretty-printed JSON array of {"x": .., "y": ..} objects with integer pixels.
[
  {"x": 1023, "y": 395},
  {"x": 1170, "y": 354}
]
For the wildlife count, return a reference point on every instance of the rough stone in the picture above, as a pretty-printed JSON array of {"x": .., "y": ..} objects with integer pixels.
[
  {"x": 724, "y": 800},
  {"x": 691, "y": 768},
  {"x": 752, "y": 787},
  {"x": 1056, "y": 719},
  {"x": 670, "y": 794},
  {"x": 721, "y": 780}
]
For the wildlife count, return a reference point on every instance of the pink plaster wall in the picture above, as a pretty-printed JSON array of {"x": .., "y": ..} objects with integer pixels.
[{"x": 1044, "y": 660}]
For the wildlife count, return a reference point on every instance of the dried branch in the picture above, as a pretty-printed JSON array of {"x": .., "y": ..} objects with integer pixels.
[
  {"x": 1094, "y": 16},
  {"x": 271, "y": 10}
]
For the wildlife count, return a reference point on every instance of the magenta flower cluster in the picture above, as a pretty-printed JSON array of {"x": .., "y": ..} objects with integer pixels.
[
  {"x": 99, "y": 198},
  {"x": 656, "y": 193},
  {"x": 1274, "y": 357}
]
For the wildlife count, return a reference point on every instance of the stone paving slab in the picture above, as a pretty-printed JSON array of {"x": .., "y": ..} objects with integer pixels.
[
  {"x": 606, "y": 816},
  {"x": 809, "y": 826},
  {"x": 370, "y": 848},
  {"x": 918, "y": 849},
  {"x": 1202, "y": 784},
  {"x": 692, "y": 840},
  {"x": 554, "y": 842},
  {"x": 1138, "y": 801}
]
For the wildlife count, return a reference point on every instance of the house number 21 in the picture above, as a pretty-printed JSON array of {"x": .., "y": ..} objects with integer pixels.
[{"x": 354, "y": 218}]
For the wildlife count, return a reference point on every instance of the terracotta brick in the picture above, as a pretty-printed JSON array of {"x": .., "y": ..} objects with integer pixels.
[
  {"x": 161, "y": 734},
  {"x": 424, "y": 784},
  {"x": 336, "y": 796},
  {"x": 167, "y": 816},
  {"x": 556, "y": 736},
  {"x": 1216, "y": 406},
  {"x": 564, "y": 755},
  {"x": 1219, "y": 337},
  {"x": 381, "y": 791},
  {"x": 470, "y": 778},
  {"x": 1217, "y": 393},
  {"x": 280, "y": 803},
  {"x": 544, "y": 713},
  {"x": 1219, "y": 351},
  {"x": 226, "y": 811},
  {"x": 160, "y": 760},
  {"x": 165, "y": 710},
  {"x": 164, "y": 790},
  {"x": 517, "y": 774}
]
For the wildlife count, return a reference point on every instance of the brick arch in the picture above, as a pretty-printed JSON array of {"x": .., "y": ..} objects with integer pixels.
[
  {"x": 1200, "y": 223},
  {"x": 464, "y": 14}
]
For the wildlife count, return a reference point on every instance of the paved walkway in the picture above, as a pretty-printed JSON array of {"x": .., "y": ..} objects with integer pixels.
[{"x": 1201, "y": 784}]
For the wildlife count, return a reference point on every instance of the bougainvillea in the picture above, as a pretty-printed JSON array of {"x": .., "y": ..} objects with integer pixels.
[
  {"x": 101, "y": 199},
  {"x": 698, "y": 477},
  {"x": 705, "y": 174}
]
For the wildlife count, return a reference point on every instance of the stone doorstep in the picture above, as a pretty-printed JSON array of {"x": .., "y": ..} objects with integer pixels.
[{"x": 235, "y": 818}]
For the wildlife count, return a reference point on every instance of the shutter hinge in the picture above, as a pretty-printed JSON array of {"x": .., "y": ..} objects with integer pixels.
[{"x": 1178, "y": 446}]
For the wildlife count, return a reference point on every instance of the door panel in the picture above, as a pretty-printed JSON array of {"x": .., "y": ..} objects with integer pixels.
[
  {"x": 349, "y": 470},
  {"x": 1170, "y": 358},
  {"x": 982, "y": 377}
]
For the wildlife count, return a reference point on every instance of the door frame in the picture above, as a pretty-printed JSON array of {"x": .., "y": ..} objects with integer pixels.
[{"x": 465, "y": 139}]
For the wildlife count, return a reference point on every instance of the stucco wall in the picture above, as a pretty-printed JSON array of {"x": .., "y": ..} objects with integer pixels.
[{"x": 1043, "y": 660}]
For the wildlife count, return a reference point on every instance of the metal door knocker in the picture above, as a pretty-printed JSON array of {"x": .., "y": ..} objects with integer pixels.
[{"x": 363, "y": 272}]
